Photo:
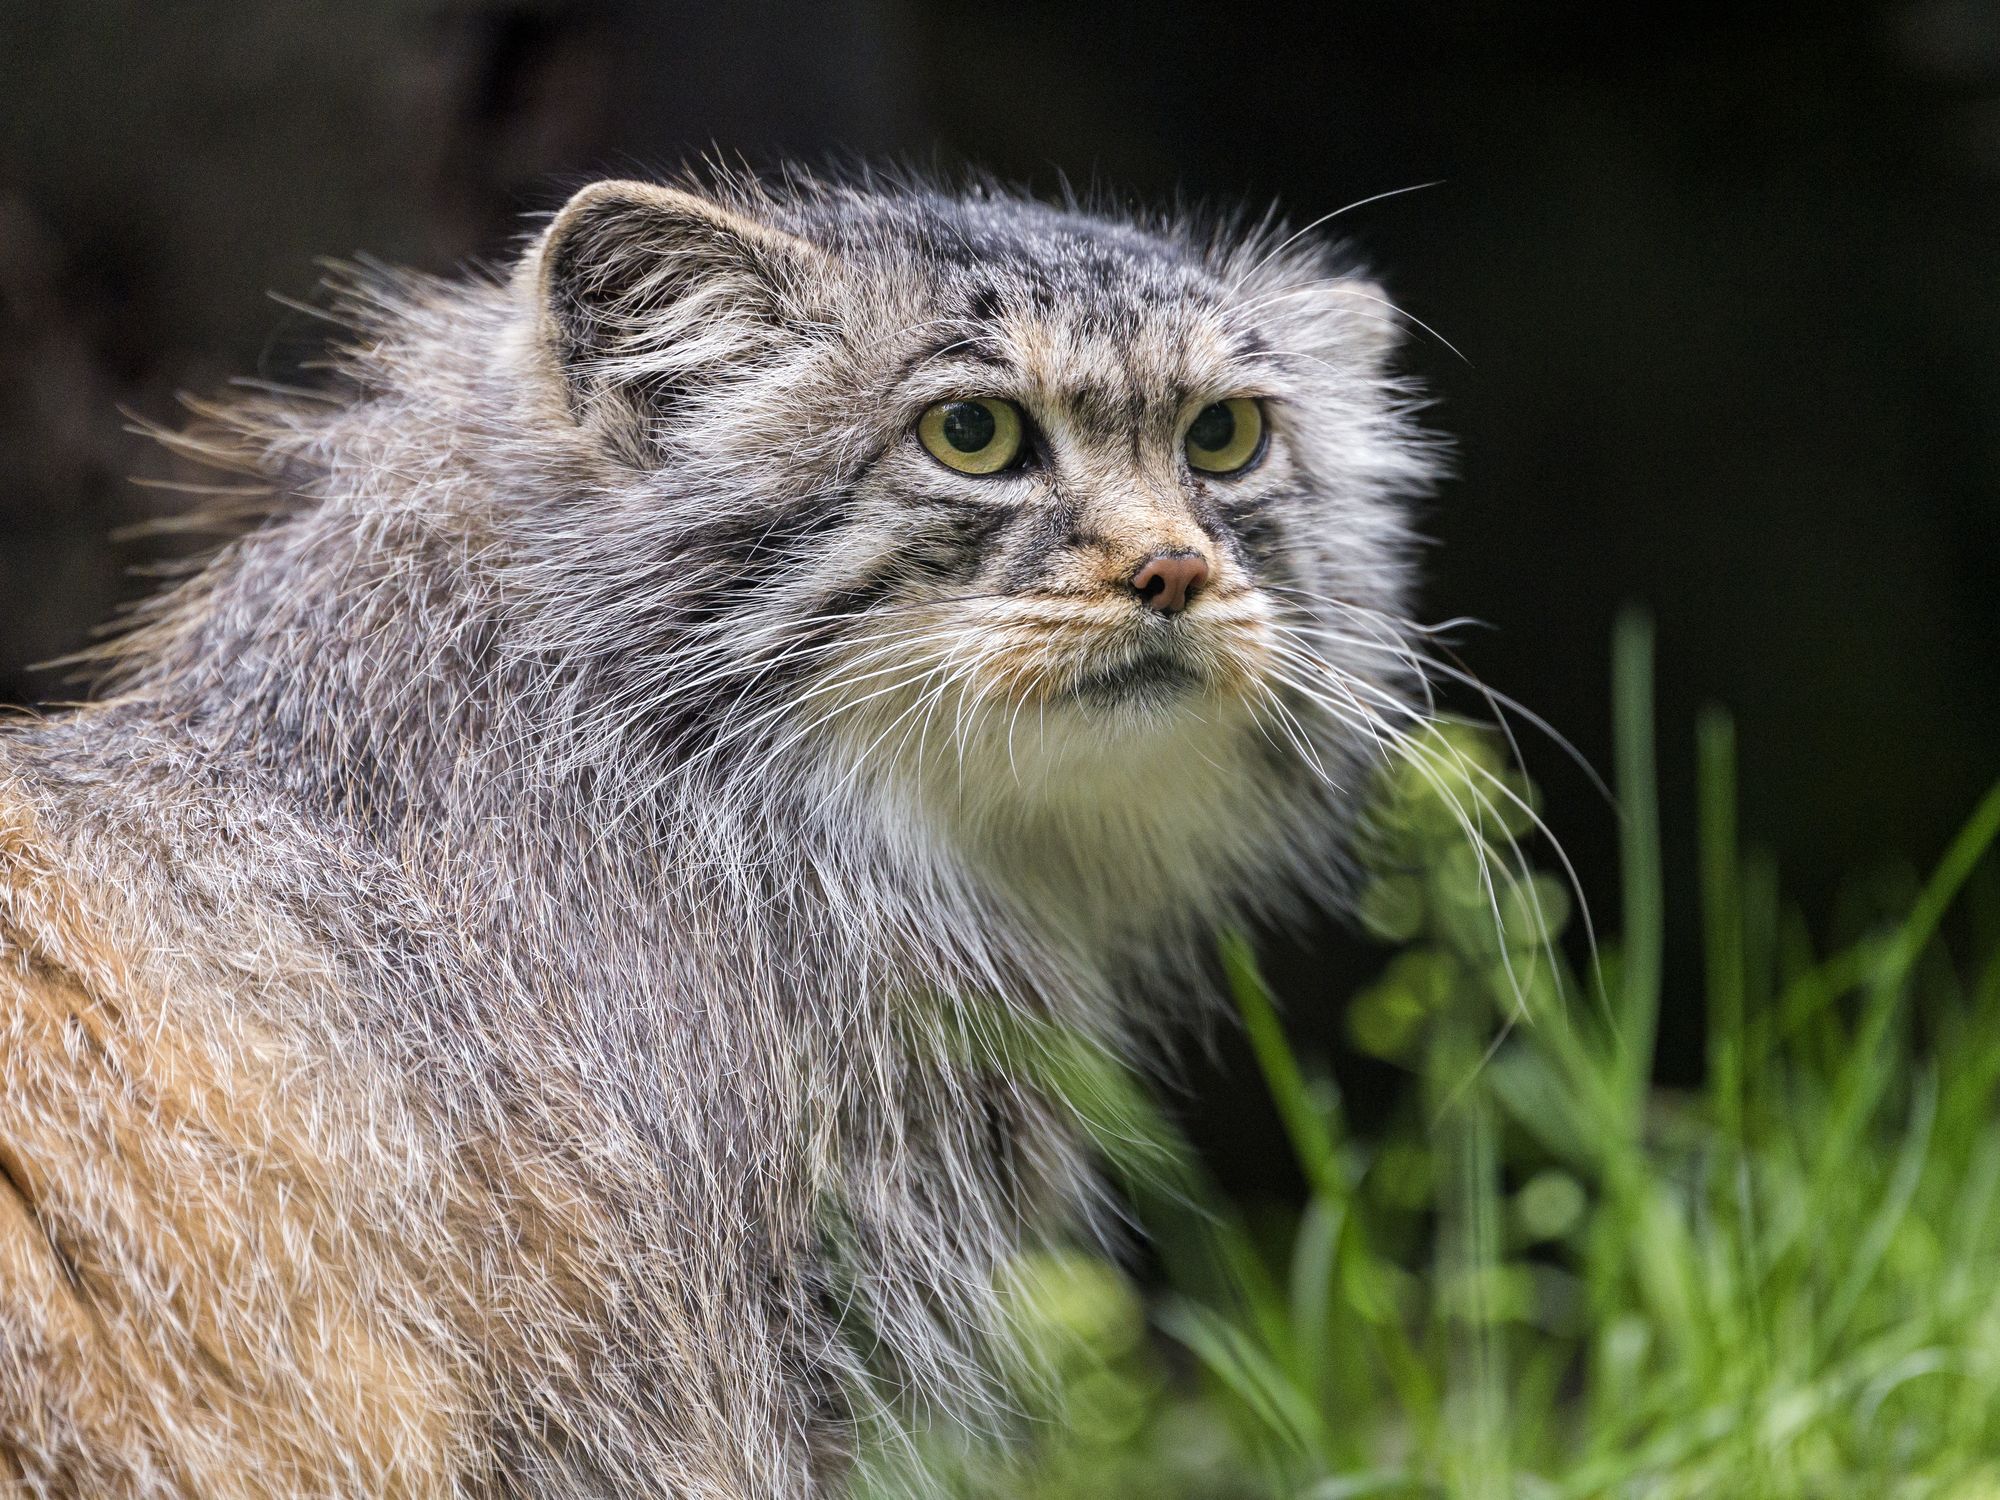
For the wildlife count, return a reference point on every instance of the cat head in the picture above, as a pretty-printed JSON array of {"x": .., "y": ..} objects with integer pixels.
[{"x": 1063, "y": 516}]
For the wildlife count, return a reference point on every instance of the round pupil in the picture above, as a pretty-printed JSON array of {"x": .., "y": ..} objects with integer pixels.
[
  {"x": 1213, "y": 429},
  {"x": 968, "y": 426}
]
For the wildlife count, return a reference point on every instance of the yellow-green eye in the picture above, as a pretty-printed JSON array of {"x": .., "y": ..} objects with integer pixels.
[
  {"x": 1227, "y": 436},
  {"x": 978, "y": 436}
]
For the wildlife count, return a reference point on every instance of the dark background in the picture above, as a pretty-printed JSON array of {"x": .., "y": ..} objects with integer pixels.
[{"x": 1724, "y": 277}]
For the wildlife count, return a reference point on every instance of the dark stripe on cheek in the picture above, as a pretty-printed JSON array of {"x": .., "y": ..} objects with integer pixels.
[
  {"x": 842, "y": 613},
  {"x": 1037, "y": 537},
  {"x": 946, "y": 540},
  {"x": 753, "y": 546},
  {"x": 952, "y": 539},
  {"x": 857, "y": 598},
  {"x": 1209, "y": 516},
  {"x": 1259, "y": 537}
]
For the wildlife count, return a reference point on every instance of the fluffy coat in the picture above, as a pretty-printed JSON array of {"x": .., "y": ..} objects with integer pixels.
[{"x": 508, "y": 989}]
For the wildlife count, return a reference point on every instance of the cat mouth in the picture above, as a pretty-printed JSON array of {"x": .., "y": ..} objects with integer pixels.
[
  {"x": 1152, "y": 676},
  {"x": 1117, "y": 660}
]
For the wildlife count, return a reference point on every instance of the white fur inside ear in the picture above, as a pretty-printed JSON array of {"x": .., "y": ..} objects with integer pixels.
[
  {"x": 1313, "y": 295},
  {"x": 1368, "y": 323},
  {"x": 627, "y": 267},
  {"x": 1328, "y": 312},
  {"x": 645, "y": 291}
]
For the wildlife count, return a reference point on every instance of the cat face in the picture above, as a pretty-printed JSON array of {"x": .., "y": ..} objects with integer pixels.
[{"x": 951, "y": 477}]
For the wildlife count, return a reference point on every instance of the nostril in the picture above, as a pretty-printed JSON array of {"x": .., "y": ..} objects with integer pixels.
[{"x": 1165, "y": 583}]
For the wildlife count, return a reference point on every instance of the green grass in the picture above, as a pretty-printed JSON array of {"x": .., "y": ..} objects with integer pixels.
[{"x": 1551, "y": 1278}]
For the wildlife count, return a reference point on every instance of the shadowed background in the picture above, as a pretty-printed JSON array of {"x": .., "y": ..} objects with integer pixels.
[{"x": 1724, "y": 285}]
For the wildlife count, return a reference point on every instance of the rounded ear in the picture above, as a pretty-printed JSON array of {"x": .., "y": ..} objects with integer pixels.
[
  {"x": 1362, "y": 319},
  {"x": 645, "y": 290}
]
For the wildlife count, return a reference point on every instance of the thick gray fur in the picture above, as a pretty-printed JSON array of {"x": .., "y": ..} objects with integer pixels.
[{"x": 627, "y": 778}]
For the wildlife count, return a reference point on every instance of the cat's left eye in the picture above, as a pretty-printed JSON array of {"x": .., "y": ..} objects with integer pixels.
[
  {"x": 982, "y": 435},
  {"x": 1226, "y": 437}
]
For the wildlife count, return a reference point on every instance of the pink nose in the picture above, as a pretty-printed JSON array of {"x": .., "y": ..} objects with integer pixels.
[{"x": 1167, "y": 582}]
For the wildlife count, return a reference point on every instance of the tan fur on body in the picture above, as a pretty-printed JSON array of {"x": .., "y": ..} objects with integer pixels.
[
  {"x": 191, "y": 1296},
  {"x": 238, "y": 1265},
  {"x": 516, "y": 989}
]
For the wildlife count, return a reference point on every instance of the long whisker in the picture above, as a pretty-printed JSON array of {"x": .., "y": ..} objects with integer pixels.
[
  {"x": 1354, "y": 291},
  {"x": 845, "y": 677},
  {"x": 1426, "y": 758},
  {"x": 1513, "y": 869},
  {"x": 1403, "y": 629},
  {"x": 1350, "y": 685},
  {"x": 1298, "y": 234}
]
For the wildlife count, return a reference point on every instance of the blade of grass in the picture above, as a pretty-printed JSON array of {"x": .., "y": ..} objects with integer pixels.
[
  {"x": 1864, "y": 1076},
  {"x": 1722, "y": 916},
  {"x": 1248, "y": 1372},
  {"x": 1315, "y": 1262},
  {"x": 1959, "y": 861},
  {"x": 1866, "y": 1257},
  {"x": 1639, "y": 851},
  {"x": 1305, "y": 1124}
]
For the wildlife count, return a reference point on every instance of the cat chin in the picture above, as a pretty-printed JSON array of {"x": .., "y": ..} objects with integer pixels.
[
  {"x": 1111, "y": 820},
  {"x": 1116, "y": 754},
  {"x": 1114, "y": 805}
]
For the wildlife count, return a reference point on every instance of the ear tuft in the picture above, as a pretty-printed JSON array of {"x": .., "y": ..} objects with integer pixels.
[{"x": 646, "y": 290}]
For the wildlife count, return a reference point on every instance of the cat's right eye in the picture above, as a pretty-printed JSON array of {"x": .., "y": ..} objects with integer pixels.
[
  {"x": 1226, "y": 437},
  {"x": 981, "y": 435}
]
